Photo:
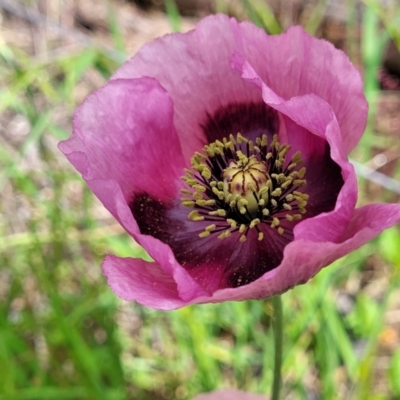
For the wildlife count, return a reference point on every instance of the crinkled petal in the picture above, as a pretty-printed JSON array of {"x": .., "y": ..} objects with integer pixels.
[
  {"x": 326, "y": 226},
  {"x": 143, "y": 281},
  {"x": 123, "y": 143},
  {"x": 323, "y": 175},
  {"x": 296, "y": 64},
  {"x": 229, "y": 394},
  {"x": 304, "y": 258},
  {"x": 109, "y": 192},
  {"x": 190, "y": 66},
  {"x": 316, "y": 116},
  {"x": 202, "y": 258},
  {"x": 124, "y": 132},
  {"x": 195, "y": 70},
  {"x": 213, "y": 263}
]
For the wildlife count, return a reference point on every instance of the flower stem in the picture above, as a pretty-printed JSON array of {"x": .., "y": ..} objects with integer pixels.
[{"x": 277, "y": 326}]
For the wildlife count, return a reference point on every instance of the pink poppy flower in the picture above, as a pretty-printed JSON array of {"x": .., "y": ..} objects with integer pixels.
[
  {"x": 260, "y": 128},
  {"x": 229, "y": 394}
]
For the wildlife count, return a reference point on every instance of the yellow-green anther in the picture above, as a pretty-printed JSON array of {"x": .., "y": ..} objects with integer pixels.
[
  {"x": 289, "y": 198},
  {"x": 264, "y": 140},
  {"x": 204, "y": 234},
  {"x": 231, "y": 222},
  {"x": 220, "y": 212},
  {"x": 198, "y": 196},
  {"x": 254, "y": 222},
  {"x": 199, "y": 188},
  {"x": 195, "y": 216},
  {"x": 275, "y": 222},
  {"x": 188, "y": 203},
  {"x": 277, "y": 192},
  {"x": 206, "y": 173},
  {"x": 284, "y": 185}
]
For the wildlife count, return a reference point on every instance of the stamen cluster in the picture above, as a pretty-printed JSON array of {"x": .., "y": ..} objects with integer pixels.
[{"x": 238, "y": 184}]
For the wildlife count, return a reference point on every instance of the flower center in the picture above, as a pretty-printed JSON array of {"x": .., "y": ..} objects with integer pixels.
[{"x": 238, "y": 184}]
